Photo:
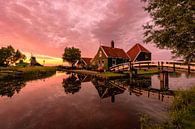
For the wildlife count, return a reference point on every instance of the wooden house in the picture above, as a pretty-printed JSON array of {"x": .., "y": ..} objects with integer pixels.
[
  {"x": 84, "y": 62},
  {"x": 109, "y": 56},
  {"x": 139, "y": 53}
]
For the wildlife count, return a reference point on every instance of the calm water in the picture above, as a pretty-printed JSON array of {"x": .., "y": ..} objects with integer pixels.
[{"x": 75, "y": 101}]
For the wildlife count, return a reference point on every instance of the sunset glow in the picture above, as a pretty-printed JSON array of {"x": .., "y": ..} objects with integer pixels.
[{"x": 45, "y": 27}]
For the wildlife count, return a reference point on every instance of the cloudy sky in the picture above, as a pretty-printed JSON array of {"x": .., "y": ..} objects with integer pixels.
[{"x": 46, "y": 27}]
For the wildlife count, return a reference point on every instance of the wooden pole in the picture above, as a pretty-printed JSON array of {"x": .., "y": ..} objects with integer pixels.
[
  {"x": 173, "y": 67},
  {"x": 166, "y": 80},
  {"x": 158, "y": 65},
  {"x": 162, "y": 65},
  {"x": 188, "y": 67}
]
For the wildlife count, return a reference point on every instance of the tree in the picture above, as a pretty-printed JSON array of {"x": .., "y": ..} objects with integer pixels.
[
  {"x": 71, "y": 55},
  {"x": 172, "y": 27},
  {"x": 9, "y": 56}
]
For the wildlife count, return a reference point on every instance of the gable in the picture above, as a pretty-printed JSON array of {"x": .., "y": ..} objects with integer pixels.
[{"x": 134, "y": 52}]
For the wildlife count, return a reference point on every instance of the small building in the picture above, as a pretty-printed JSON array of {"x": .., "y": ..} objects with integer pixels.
[
  {"x": 84, "y": 62},
  {"x": 33, "y": 61},
  {"x": 139, "y": 53},
  {"x": 109, "y": 56}
]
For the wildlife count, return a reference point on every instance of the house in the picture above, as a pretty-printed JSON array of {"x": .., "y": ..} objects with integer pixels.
[
  {"x": 84, "y": 62},
  {"x": 139, "y": 53},
  {"x": 109, "y": 56}
]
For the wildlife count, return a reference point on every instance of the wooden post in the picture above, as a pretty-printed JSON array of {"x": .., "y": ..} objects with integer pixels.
[
  {"x": 135, "y": 71},
  {"x": 148, "y": 93},
  {"x": 161, "y": 80},
  {"x": 139, "y": 66},
  {"x": 162, "y": 65},
  {"x": 173, "y": 67},
  {"x": 158, "y": 65},
  {"x": 148, "y": 65},
  {"x": 112, "y": 98},
  {"x": 188, "y": 67},
  {"x": 166, "y": 80}
]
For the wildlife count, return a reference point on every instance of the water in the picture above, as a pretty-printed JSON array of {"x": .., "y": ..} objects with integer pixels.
[{"x": 75, "y": 101}]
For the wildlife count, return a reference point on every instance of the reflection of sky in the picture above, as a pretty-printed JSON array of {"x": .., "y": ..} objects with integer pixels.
[
  {"x": 44, "y": 104},
  {"x": 181, "y": 81}
]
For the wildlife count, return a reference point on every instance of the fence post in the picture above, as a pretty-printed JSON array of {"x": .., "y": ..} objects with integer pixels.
[
  {"x": 158, "y": 65},
  {"x": 188, "y": 67},
  {"x": 162, "y": 65},
  {"x": 173, "y": 66}
]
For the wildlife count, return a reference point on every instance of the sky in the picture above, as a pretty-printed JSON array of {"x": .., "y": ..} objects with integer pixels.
[{"x": 45, "y": 27}]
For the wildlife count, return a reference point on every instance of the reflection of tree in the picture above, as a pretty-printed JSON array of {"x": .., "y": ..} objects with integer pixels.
[
  {"x": 71, "y": 84},
  {"x": 9, "y": 88}
]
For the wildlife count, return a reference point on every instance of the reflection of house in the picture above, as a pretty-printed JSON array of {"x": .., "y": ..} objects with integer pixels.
[
  {"x": 106, "y": 89},
  {"x": 139, "y": 53},
  {"x": 109, "y": 56},
  {"x": 84, "y": 62}
]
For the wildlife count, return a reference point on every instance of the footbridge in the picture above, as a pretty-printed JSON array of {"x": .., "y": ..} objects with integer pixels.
[{"x": 168, "y": 65}]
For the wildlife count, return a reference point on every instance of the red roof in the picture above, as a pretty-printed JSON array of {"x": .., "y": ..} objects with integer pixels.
[
  {"x": 135, "y": 50},
  {"x": 114, "y": 52},
  {"x": 86, "y": 60}
]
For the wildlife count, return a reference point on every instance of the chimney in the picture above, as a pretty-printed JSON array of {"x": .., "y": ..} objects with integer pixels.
[{"x": 112, "y": 44}]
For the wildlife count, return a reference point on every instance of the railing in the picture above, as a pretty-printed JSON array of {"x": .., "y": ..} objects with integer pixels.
[{"x": 160, "y": 64}]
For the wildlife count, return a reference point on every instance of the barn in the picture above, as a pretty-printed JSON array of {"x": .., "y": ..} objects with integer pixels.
[{"x": 139, "y": 53}]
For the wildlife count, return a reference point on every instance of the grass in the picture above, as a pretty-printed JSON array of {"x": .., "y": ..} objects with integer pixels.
[
  {"x": 141, "y": 72},
  {"x": 100, "y": 74},
  {"x": 25, "y": 72},
  {"x": 111, "y": 74}
]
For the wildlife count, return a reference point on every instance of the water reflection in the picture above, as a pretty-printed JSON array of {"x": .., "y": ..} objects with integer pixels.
[
  {"x": 71, "y": 84},
  {"x": 106, "y": 88},
  {"x": 137, "y": 85},
  {"x": 121, "y": 101},
  {"x": 9, "y": 88}
]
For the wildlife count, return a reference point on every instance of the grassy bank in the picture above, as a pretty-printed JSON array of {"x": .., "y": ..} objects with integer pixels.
[
  {"x": 26, "y": 72},
  {"x": 181, "y": 113},
  {"x": 107, "y": 75},
  {"x": 143, "y": 72}
]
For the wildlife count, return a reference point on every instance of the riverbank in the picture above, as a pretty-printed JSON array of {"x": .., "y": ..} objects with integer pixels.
[
  {"x": 105, "y": 75},
  {"x": 181, "y": 113},
  {"x": 25, "y": 72},
  {"x": 113, "y": 75}
]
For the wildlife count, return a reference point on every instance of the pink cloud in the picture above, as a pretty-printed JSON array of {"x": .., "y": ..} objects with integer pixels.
[{"x": 46, "y": 27}]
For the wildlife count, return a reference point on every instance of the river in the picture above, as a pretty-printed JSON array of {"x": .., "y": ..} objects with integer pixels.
[{"x": 70, "y": 101}]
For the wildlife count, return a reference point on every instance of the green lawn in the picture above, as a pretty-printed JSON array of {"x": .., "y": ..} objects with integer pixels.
[
  {"x": 111, "y": 74},
  {"x": 100, "y": 74},
  {"x": 147, "y": 71}
]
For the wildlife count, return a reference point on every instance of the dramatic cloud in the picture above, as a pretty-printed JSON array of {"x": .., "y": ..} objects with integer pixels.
[{"x": 46, "y": 27}]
